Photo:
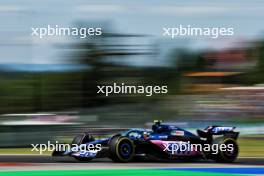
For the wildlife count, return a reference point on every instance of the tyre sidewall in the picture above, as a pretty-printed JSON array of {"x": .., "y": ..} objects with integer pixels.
[
  {"x": 221, "y": 156},
  {"x": 115, "y": 153}
]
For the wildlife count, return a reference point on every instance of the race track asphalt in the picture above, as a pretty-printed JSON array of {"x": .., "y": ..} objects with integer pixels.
[{"x": 44, "y": 162}]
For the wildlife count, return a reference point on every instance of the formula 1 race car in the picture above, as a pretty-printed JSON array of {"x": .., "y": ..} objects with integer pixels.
[{"x": 162, "y": 142}]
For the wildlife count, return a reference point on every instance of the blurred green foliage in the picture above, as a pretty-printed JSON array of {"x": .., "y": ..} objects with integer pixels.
[{"x": 53, "y": 91}]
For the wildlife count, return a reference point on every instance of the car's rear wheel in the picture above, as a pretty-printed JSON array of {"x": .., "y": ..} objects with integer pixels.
[
  {"x": 231, "y": 152},
  {"x": 122, "y": 149}
]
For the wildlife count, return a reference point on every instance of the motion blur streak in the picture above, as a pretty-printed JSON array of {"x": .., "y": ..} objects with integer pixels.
[{"x": 48, "y": 87}]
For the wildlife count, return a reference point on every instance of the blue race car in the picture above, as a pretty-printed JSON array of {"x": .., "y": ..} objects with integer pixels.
[{"x": 163, "y": 142}]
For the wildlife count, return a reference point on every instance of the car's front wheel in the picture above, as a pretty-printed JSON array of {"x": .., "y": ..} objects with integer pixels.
[{"x": 122, "y": 149}]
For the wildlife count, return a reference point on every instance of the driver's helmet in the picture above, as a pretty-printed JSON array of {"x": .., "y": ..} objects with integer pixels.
[
  {"x": 146, "y": 135},
  {"x": 156, "y": 126}
]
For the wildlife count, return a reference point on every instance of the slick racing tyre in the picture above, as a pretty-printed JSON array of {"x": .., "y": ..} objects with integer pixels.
[
  {"x": 82, "y": 139},
  {"x": 121, "y": 149},
  {"x": 228, "y": 155}
]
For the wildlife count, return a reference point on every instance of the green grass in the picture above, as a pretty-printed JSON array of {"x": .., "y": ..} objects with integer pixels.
[
  {"x": 136, "y": 172},
  {"x": 251, "y": 147},
  {"x": 20, "y": 151}
]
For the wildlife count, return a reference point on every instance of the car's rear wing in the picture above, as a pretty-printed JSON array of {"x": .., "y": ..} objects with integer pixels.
[{"x": 218, "y": 130}]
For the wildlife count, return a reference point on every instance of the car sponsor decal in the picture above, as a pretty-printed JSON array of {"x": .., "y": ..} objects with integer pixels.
[
  {"x": 87, "y": 153},
  {"x": 219, "y": 129},
  {"x": 177, "y": 133}
]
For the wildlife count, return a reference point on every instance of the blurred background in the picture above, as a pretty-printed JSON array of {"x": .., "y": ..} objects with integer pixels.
[{"x": 48, "y": 86}]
